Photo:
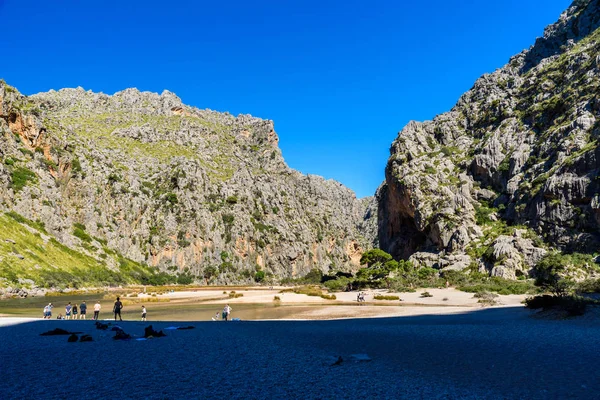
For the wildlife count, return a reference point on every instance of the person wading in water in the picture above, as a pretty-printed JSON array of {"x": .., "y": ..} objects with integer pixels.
[{"x": 117, "y": 309}]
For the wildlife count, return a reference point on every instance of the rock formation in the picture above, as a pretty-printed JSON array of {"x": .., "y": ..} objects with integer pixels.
[
  {"x": 140, "y": 176},
  {"x": 517, "y": 156}
]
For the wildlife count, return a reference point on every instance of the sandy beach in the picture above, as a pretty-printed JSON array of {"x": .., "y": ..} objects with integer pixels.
[
  {"x": 446, "y": 346},
  {"x": 493, "y": 353}
]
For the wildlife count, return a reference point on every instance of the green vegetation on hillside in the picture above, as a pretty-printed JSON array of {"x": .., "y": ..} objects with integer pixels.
[
  {"x": 27, "y": 252},
  {"x": 21, "y": 177},
  {"x": 100, "y": 127}
]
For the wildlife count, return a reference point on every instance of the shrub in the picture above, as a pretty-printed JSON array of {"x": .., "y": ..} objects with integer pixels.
[
  {"x": 112, "y": 178},
  {"x": 232, "y": 200},
  {"x": 572, "y": 305},
  {"x": 75, "y": 166},
  {"x": 588, "y": 286},
  {"x": 276, "y": 298},
  {"x": 314, "y": 276},
  {"x": 234, "y": 295},
  {"x": 426, "y": 273},
  {"x": 185, "y": 279},
  {"x": 82, "y": 235},
  {"x": 338, "y": 285},
  {"x": 171, "y": 198},
  {"x": 400, "y": 286},
  {"x": 426, "y": 294},
  {"x": 307, "y": 290},
  {"x": 500, "y": 286},
  {"x": 49, "y": 163},
  {"x": 259, "y": 276},
  {"x": 383, "y": 297},
  {"x": 482, "y": 215},
  {"x": 21, "y": 177},
  {"x": 486, "y": 297},
  {"x": 210, "y": 272},
  {"x": 328, "y": 296},
  {"x": 26, "y": 152}
]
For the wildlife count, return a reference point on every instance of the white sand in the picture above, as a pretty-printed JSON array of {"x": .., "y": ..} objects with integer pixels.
[
  {"x": 443, "y": 301},
  {"x": 441, "y": 297}
]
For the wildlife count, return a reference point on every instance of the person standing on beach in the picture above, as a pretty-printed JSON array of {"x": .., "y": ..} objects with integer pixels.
[
  {"x": 68, "y": 310},
  {"x": 97, "y": 310},
  {"x": 143, "y": 313},
  {"x": 83, "y": 309},
  {"x": 50, "y": 306},
  {"x": 117, "y": 309},
  {"x": 75, "y": 311},
  {"x": 226, "y": 311},
  {"x": 45, "y": 312}
]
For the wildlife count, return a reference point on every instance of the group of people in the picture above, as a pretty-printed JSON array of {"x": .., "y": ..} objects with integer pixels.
[
  {"x": 360, "y": 297},
  {"x": 71, "y": 310},
  {"x": 224, "y": 314}
]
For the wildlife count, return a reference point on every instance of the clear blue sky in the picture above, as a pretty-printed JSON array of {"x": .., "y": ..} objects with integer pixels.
[{"x": 339, "y": 78}]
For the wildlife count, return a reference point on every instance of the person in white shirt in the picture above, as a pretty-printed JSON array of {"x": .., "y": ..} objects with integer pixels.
[
  {"x": 97, "y": 310},
  {"x": 226, "y": 311}
]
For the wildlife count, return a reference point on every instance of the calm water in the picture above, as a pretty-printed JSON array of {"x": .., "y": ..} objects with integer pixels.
[{"x": 176, "y": 310}]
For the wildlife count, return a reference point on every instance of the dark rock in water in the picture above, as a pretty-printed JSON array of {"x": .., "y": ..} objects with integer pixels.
[
  {"x": 101, "y": 326},
  {"x": 56, "y": 332},
  {"x": 182, "y": 328},
  {"x": 338, "y": 361},
  {"x": 73, "y": 338},
  {"x": 121, "y": 335},
  {"x": 86, "y": 338},
  {"x": 149, "y": 332}
]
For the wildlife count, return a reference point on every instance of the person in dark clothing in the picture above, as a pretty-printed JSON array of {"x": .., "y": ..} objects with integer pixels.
[
  {"x": 83, "y": 309},
  {"x": 117, "y": 309}
]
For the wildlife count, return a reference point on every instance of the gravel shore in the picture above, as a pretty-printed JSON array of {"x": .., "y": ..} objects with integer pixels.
[{"x": 496, "y": 353}]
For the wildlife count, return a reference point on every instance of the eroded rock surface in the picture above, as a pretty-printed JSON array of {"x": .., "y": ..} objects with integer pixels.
[
  {"x": 148, "y": 178},
  {"x": 519, "y": 150}
]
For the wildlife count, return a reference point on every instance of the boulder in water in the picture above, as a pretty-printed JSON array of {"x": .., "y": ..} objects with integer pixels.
[
  {"x": 56, "y": 332},
  {"x": 149, "y": 332},
  {"x": 121, "y": 335}
]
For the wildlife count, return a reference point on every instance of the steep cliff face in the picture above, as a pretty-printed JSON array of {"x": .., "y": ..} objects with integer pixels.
[
  {"x": 175, "y": 187},
  {"x": 518, "y": 155}
]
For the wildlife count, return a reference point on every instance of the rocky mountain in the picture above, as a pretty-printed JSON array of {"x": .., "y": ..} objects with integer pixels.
[
  {"x": 142, "y": 177},
  {"x": 517, "y": 158}
]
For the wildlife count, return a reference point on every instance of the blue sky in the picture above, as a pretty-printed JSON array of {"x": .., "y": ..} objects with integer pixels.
[{"x": 339, "y": 78}]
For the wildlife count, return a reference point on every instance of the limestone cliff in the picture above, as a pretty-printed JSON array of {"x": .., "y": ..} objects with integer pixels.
[
  {"x": 172, "y": 186},
  {"x": 517, "y": 156}
]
